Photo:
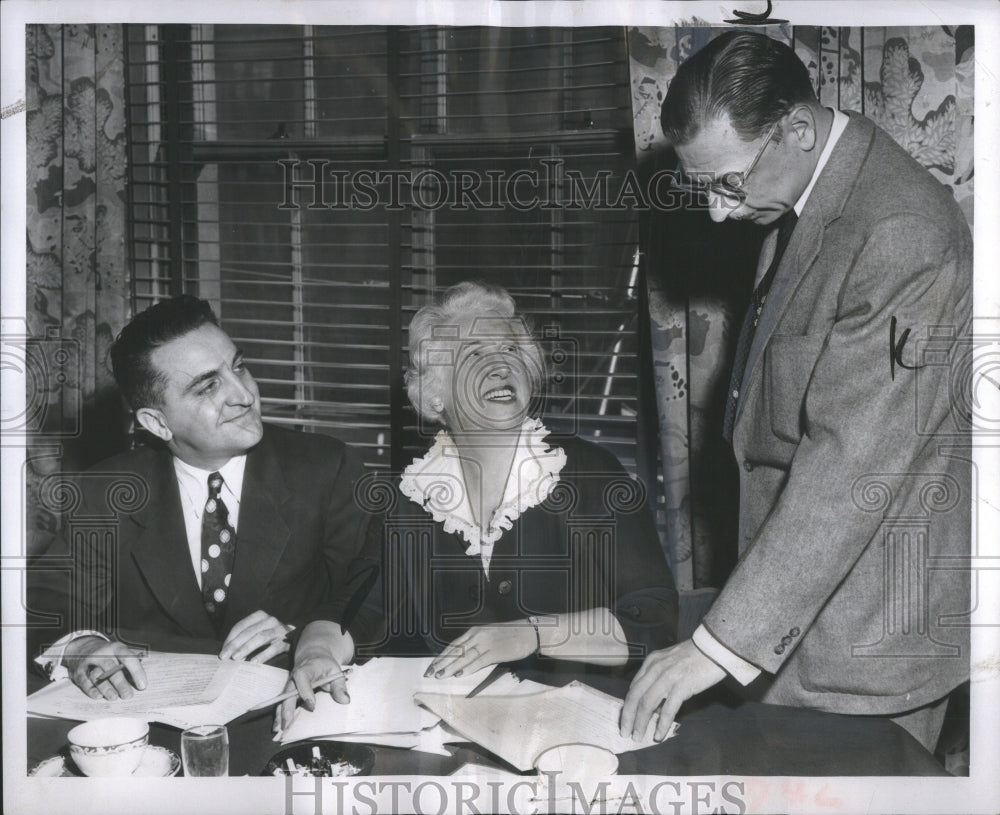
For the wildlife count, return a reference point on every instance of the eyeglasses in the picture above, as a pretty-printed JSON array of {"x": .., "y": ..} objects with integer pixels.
[{"x": 729, "y": 185}]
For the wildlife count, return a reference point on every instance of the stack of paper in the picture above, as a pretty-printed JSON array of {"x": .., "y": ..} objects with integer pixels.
[
  {"x": 520, "y": 728},
  {"x": 183, "y": 690},
  {"x": 382, "y": 709}
]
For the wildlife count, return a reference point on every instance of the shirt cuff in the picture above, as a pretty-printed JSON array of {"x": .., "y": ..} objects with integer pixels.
[
  {"x": 737, "y": 667},
  {"x": 51, "y": 661}
]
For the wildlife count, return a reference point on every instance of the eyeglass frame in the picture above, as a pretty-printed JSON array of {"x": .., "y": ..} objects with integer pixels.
[{"x": 725, "y": 188}]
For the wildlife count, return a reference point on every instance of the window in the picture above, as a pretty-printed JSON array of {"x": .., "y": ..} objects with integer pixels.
[{"x": 316, "y": 184}]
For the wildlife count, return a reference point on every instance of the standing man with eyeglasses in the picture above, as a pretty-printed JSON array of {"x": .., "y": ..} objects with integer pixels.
[{"x": 852, "y": 584}]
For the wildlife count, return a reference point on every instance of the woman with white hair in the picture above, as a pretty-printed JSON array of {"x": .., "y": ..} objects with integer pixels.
[{"x": 506, "y": 542}]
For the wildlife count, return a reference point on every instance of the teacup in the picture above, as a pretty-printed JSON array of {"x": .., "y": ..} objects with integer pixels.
[{"x": 108, "y": 747}]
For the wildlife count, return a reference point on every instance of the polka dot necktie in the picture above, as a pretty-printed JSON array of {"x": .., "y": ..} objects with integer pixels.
[{"x": 218, "y": 547}]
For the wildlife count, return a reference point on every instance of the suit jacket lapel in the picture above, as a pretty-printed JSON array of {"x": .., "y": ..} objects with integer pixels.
[
  {"x": 824, "y": 205},
  {"x": 262, "y": 533},
  {"x": 162, "y": 555}
]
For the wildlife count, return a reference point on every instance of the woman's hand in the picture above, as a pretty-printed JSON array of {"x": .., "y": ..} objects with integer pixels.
[
  {"x": 485, "y": 645},
  {"x": 308, "y": 670}
]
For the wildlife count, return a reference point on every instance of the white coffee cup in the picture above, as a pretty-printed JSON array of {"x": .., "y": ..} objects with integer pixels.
[{"x": 108, "y": 747}]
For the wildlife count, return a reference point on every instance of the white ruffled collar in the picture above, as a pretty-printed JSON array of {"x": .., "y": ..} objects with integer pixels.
[{"x": 435, "y": 481}]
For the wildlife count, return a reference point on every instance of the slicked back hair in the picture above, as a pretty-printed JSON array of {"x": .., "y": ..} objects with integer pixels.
[
  {"x": 749, "y": 77},
  {"x": 134, "y": 372}
]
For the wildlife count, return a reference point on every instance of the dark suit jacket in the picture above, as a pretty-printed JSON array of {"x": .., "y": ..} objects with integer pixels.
[
  {"x": 853, "y": 580},
  {"x": 304, "y": 548}
]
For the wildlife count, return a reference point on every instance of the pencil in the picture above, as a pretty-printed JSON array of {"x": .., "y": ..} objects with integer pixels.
[
  {"x": 281, "y": 697},
  {"x": 111, "y": 672}
]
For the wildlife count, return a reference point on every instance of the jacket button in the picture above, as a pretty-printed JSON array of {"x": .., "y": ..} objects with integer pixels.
[
  {"x": 504, "y": 587},
  {"x": 748, "y": 465},
  {"x": 786, "y": 640},
  {"x": 795, "y": 632},
  {"x": 779, "y": 649}
]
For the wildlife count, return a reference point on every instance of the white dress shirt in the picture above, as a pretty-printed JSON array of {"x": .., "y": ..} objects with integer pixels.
[
  {"x": 192, "y": 483},
  {"x": 742, "y": 671}
]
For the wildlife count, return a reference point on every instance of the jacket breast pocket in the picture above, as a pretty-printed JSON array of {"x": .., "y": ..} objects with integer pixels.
[{"x": 788, "y": 364}]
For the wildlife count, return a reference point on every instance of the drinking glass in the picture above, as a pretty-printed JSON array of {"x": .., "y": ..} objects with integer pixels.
[{"x": 205, "y": 750}]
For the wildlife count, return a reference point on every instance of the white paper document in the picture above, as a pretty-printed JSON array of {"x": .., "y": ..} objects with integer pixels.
[
  {"x": 182, "y": 690},
  {"x": 431, "y": 740},
  {"x": 520, "y": 728},
  {"x": 382, "y": 692}
]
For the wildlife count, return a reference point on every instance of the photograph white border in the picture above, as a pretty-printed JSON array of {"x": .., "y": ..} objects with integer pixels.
[{"x": 980, "y": 792}]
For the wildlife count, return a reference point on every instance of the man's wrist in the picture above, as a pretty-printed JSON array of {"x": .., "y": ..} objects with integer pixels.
[
  {"x": 51, "y": 660},
  {"x": 339, "y": 649},
  {"x": 314, "y": 652},
  {"x": 742, "y": 671},
  {"x": 82, "y": 646}
]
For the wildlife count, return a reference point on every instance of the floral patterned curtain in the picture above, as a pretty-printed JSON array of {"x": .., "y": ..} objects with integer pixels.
[
  {"x": 917, "y": 84},
  {"x": 77, "y": 285}
]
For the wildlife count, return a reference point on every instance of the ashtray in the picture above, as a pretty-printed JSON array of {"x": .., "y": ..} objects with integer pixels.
[{"x": 327, "y": 759}]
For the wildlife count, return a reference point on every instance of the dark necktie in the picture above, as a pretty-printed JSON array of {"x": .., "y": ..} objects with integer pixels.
[
  {"x": 786, "y": 225},
  {"x": 218, "y": 548}
]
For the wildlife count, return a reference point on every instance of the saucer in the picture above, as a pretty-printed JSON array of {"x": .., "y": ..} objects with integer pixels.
[{"x": 157, "y": 762}]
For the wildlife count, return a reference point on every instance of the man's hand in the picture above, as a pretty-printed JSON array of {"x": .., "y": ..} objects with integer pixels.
[
  {"x": 89, "y": 657},
  {"x": 666, "y": 679},
  {"x": 485, "y": 645},
  {"x": 253, "y": 632},
  {"x": 307, "y": 671}
]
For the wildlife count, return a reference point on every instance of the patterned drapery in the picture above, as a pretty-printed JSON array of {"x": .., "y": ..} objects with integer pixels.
[
  {"x": 77, "y": 285},
  {"x": 917, "y": 84}
]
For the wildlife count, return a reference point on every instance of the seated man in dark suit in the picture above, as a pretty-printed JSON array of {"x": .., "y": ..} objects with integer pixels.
[{"x": 238, "y": 533}]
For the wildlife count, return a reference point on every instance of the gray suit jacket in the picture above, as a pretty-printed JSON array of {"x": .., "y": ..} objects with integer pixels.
[{"x": 852, "y": 584}]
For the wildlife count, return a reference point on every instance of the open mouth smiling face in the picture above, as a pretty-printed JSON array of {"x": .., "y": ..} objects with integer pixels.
[{"x": 491, "y": 387}]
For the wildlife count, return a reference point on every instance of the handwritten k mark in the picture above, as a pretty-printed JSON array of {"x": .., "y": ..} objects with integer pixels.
[{"x": 896, "y": 350}]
